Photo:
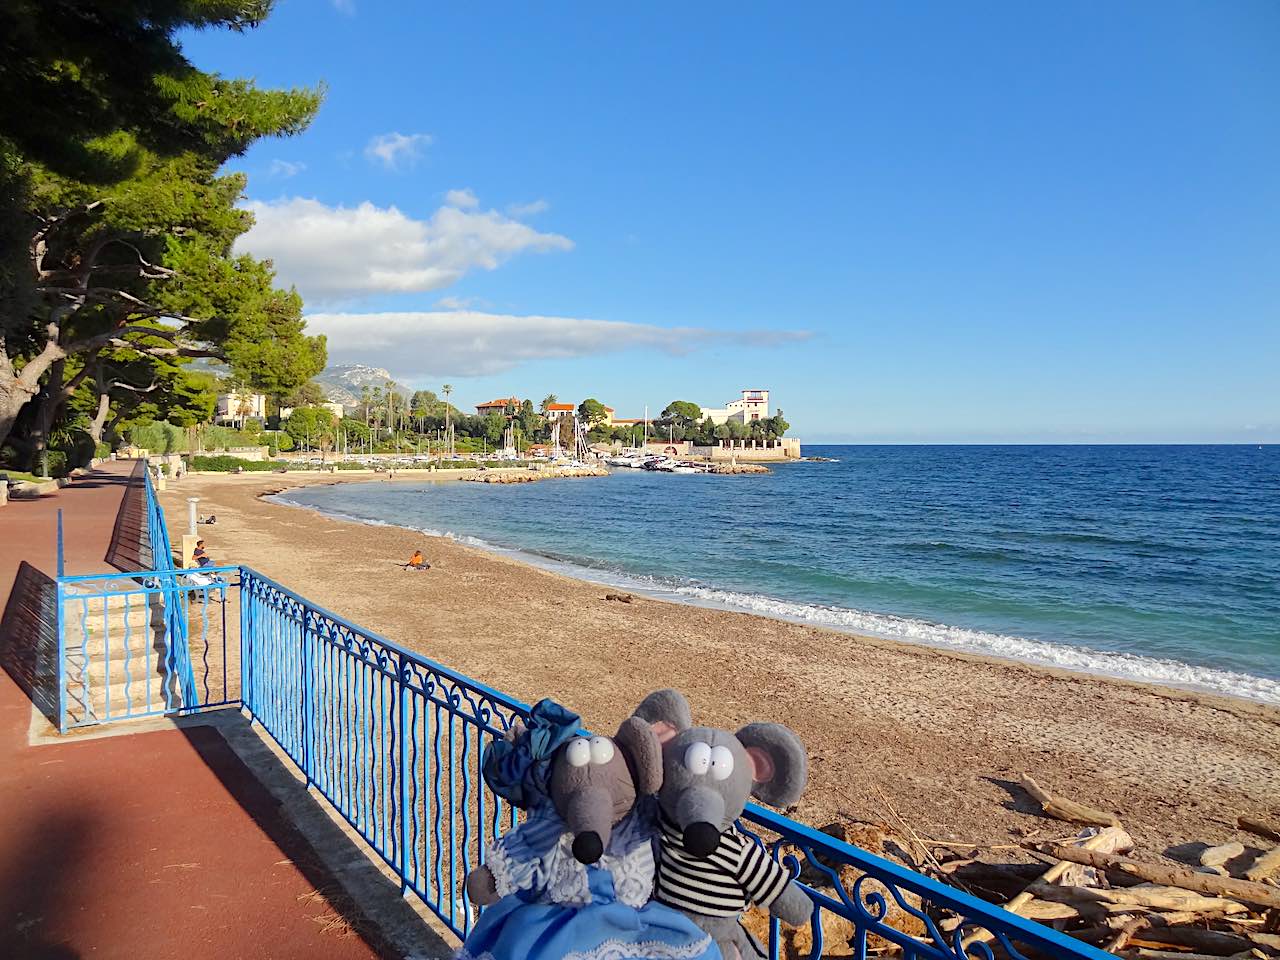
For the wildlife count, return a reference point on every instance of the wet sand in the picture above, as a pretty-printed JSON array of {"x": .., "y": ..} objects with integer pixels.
[{"x": 897, "y": 733}]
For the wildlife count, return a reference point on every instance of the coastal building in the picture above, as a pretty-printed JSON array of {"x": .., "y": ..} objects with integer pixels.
[
  {"x": 337, "y": 409},
  {"x": 235, "y": 408},
  {"x": 497, "y": 406},
  {"x": 752, "y": 405},
  {"x": 557, "y": 410}
]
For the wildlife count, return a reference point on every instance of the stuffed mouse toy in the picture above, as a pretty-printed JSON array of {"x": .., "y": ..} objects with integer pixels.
[
  {"x": 707, "y": 868},
  {"x": 575, "y": 879}
]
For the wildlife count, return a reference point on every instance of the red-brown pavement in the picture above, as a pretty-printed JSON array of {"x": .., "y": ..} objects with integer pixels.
[{"x": 151, "y": 845}]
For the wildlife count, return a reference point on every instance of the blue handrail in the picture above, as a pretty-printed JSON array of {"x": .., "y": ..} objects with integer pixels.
[
  {"x": 392, "y": 739},
  {"x": 175, "y": 620}
]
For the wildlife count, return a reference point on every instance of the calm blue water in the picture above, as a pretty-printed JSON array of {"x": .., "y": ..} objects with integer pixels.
[{"x": 1155, "y": 563}]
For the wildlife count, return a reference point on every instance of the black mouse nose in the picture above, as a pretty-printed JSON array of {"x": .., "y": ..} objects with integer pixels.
[
  {"x": 701, "y": 839},
  {"x": 587, "y": 847}
]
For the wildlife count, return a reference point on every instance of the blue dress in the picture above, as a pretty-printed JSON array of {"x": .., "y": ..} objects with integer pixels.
[{"x": 555, "y": 908}]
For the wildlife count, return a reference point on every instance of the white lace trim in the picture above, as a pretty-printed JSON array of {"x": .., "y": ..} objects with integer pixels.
[
  {"x": 621, "y": 950},
  {"x": 566, "y": 880},
  {"x": 632, "y": 875},
  {"x": 499, "y": 864}
]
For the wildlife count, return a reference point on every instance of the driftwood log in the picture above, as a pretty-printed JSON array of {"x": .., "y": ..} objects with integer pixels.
[
  {"x": 1062, "y": 809},
  {"x": 1262, "y": 828},
  {"x": 1267, "y": 865},
  {"x": 1193, "y": 938},
  {"x": 1245, "y": 891},
  {"x": 1150, "y": 896},
  {"x": 1143, "y": 953},
  {"x": 1112, "y": 838}
]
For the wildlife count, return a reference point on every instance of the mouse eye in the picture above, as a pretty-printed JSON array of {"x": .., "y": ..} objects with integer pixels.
[
  {"x": 601, "y": 750},
  {"x": 578, "y": 753},
  {"x": 697, "y": 759},
  {"x": 721, "y": 762}
]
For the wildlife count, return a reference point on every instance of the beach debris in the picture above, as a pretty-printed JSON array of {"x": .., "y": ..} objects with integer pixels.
[
  {"x": 1109, "y": 838},
  {"x": 1263, "y": 828},
  {"x": 1246, "y": 891},
  {"x": 619, "y": 597},
  {"x": 1102, "y": 889},
  {"x": 1062, "y": 809},
  {"x": 1217, "y": 856},
  {"x": 1265, "y": 866}
]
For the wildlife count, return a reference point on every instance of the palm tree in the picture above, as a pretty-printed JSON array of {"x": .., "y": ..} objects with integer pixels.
[
  {"x": 447, "y": 389},
  {"x": 547, "y": 401}
]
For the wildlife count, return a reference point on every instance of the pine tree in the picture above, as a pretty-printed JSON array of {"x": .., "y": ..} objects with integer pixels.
[{"x": 116, "y": 226}]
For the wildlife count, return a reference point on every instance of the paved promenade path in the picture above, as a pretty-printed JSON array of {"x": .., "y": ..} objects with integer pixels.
[{"x": 152, "y": 845}]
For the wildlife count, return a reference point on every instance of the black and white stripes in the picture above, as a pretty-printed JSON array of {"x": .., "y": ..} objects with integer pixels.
[{"x": 737, "y": 873}]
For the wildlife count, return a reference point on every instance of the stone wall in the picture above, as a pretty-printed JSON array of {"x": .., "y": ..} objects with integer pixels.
[{"x": 748, "y": 451}]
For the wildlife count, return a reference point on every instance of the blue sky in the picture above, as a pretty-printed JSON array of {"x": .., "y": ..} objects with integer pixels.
[{"x": 911, "y": 222}]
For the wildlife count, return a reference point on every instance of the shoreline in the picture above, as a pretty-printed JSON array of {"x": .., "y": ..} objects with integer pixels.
[
  {"x": 1176, "y": 764},
  {"x": 962, "y": 641}
]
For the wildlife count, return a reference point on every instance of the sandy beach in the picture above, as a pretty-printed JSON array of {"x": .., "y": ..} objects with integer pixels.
[{"x": 935, "y": 738}]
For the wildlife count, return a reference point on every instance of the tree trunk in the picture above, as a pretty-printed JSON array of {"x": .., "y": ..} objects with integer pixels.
[
  {"x": 47, "y": 403},
  {"x": 99, "y": 422},
  {"x": 15, "y": 393}
]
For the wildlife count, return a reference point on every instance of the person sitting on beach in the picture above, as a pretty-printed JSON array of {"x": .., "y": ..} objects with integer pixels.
[
  {"x": 417, "y": 562},
  {"x": 201, "y": 556},
  {"x": 212, "y": 518}
]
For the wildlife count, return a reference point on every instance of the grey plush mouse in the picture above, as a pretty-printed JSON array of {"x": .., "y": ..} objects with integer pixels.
[
  {"x": 593, "y": 782},
  {"x": 707, "y": 868}
]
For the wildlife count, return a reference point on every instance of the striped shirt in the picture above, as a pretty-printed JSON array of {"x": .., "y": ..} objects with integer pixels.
[{"x": 737, "y": 873}]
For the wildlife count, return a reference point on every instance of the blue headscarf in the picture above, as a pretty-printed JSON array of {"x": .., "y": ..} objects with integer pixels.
[{"x": 520, "y": 771}]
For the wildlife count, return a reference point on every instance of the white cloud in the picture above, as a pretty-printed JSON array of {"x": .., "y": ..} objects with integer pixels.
[
  {"x": 463, "y": 199},
  {"x": 460, "y": 303},
  {"x": 528, "y": 209},
  {"x": 286, "y": 168},
  {"x": 397, "y": 150},
  {"x": 345, "y": 6},
  {"x": 468, "y": 343},
  {"x": 334, "y": 254}
]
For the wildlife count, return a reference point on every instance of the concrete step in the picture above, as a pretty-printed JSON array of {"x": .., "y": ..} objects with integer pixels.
[
  {"x": 98, "y": 645},
  {"x": 118, "y": 668},
  {"x": 138, "y": 699}
]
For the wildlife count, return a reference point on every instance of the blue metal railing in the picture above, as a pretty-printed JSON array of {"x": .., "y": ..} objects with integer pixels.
[
  {"x": 175, "y": 620},
  {"x": 116, "y": 644},
  {"x": 393, "y": 742}
]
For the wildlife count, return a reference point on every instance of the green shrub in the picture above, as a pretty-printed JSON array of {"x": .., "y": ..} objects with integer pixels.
[
  {"x": 57, "y": 463},
  {"x": 350, "y": 465},
  {"x": 102, "y": 451},
  {"x": 225, "y": 464}
]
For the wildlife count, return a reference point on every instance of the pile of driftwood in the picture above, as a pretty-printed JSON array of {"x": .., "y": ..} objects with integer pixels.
[{"x": 1218, "y": 901}]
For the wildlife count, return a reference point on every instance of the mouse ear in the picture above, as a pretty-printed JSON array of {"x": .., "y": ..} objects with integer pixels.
[
  {"x": 642, "y": 749},
  {"x": 667, "y": 711},
  {"x": 780, "y": 764}
]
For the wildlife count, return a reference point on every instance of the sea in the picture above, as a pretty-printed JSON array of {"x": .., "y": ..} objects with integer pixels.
[{"x": 1150, "y": 563}]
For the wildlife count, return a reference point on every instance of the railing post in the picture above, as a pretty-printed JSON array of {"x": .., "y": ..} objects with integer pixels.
[
  {"x": 308, "y": 701},
  {"x": 62, "y": 643},
  {"x": 403, "y": 735},
  {"x": 246, "y": 643},
  {"x": 61, "y": 564}
]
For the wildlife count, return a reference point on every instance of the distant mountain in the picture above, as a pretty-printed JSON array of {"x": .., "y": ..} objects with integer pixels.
[{"x": 343, "y": 383}]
